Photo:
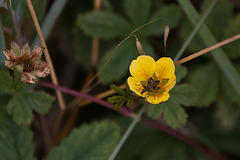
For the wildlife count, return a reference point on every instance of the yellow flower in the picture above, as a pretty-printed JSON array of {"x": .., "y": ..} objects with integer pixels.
[{"x": 152, "y": 80}]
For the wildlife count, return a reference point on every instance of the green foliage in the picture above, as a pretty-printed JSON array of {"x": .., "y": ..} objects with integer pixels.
[
  {"x": 21, "y": 104},
  {"x": 159, "y": 146},
  {"x": 102, "y": 24},
  {"x": 206, "y": 81},
  {"x": 171, "y": 111},
  {"x": 15, "y": 141},
  {"x": 110, "y": 25},
  {"x": 22, "y": 101},
  {"x": 218, "y": 54},
  {"x": 90, "y": 142},
  {"x": 231, "y": 29},
  {"x": 184, "y": 94},
  {"x": 180, "y": 72},
  {"x": 125, "y": 97},
  {"x": 138, "y": 11}
]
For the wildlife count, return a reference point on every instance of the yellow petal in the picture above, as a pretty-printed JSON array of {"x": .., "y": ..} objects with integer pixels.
[
  {"x": 158, "y": 98},
  {"x": 142, "y": 68},
  {"x": 164, "y": 68},
  {"x": 171, "y": 83},
  {"x": 134, "y": 85}
]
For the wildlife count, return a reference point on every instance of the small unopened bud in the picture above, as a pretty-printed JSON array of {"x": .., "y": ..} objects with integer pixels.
[
  {"x": 139, "y": 47},
  {"x": 166, "y": 33}
]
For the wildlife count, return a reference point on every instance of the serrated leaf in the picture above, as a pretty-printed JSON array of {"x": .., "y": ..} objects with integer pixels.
[
  {"x": 232, "y": 49},
  {"x": 184, "y": 94},
  {"x": 15, "y": 141},
  {"x": 174, "y": 114},
  {"x": 118, "y": 90},
  {"x": 90, "y": 142},
  {"x": 171, "y": 13},
  {"x": 155, "y": 110},
  {"x": 206, "y": 80},
  {"x": 114, "y": 99},
  {"x": 6, "y": 83},
  {"x": 102, "y": 24},
  {"x": 180, "y": 72},
  {"x": 21, "y": 104},
  {"x": 137, "y": 11}
]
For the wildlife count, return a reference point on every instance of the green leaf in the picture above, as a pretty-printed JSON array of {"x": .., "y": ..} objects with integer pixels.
[
  {"x": 206, "y": 81},
  {"x": 6, "y": 82},
  {"x": 90, "y": 142},
  {"x": 118, "y": 65},
  {"x": 180, "y": 72},
  {"x": 171, "y": 13},
  {"x": 130, "y": 102},
  {"x": 2, "y": 45},
  {"x": 137, "y": 11},
  {"x": 223, "y": 9},
  {"x": 21, "y": 104},
  {"x": 116, "y": 89},
  {"x": 119, "y": 104},
  {"x": 218, "y": 54},
  {"x": 155, "y": 110},
  {"x": 174, "y": 114},
  {"x": 232, "y": 29},
  {"x": 102, "y": 24},
  {"x": 227, "y": 112},
  {"x": 229, "y": 91},
  {"x": 15, "y": 141},
  {"x": 184, "y": 94},
  {"x": 114, "y": 99}
]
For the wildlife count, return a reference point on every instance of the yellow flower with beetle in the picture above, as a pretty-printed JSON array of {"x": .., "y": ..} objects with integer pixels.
[{"x": 152, "y": 79}]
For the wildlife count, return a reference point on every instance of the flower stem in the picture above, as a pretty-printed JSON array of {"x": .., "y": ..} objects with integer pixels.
[{"x": 127, "y": 133}]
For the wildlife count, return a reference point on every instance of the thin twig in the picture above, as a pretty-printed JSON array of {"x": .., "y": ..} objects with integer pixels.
[
  {"x": 206, "y": 50},
  {"x": 127, "y": 113},
  {"x": 46, "y": 53}
]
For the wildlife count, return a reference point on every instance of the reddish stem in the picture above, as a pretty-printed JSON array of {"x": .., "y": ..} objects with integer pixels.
[{"x": 127, "y": 113}]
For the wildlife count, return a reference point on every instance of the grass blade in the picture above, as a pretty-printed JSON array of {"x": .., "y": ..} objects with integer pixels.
[
  {"x": 50, "y": 20},
  {"x": 219, "y": 55}
]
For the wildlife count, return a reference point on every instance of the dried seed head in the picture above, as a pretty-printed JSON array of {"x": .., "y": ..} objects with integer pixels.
[
  {"x": 28, "y": 78},
  {"x": 10, "y": 58},
  {"x": 42, "y": 69},
  {"x": 37, "y": 52}
]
